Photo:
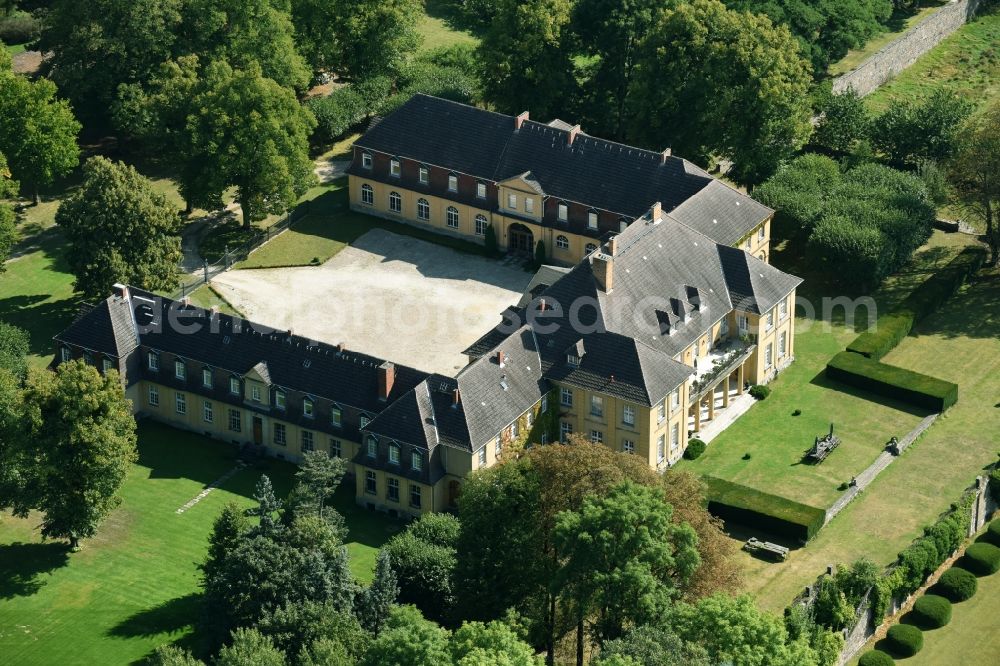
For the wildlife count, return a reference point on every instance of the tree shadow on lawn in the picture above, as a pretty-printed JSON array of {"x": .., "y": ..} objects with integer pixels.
[
  {"x": 169, "y": 617},
  {"x": 822, "y": 381},
  {"x": 22, "y": 564},
  {"x": 41, "y": 320},
  {"x": 742, "y": 532},
  {"x": 974, "y": 312}
]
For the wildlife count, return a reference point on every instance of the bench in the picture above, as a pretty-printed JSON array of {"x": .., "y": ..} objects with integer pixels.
[{"x": 773, "y": 550}]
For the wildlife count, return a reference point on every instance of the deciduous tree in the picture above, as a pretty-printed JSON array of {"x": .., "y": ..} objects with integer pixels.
[
  {"x": 409, "y": 639},
  {"x": 975, "y": 173},
  {"x": 377, "y": 36},
  {"x": 844, "y": 122},
  {"x": 119, "y": 229},
  {"x": 8, "y": 229},
  {"x": 250, "y": 648},
  {"x": 910, "y": 131},
  {"x": 478, "y": 644},
  {"x": 423, "y": 560}
]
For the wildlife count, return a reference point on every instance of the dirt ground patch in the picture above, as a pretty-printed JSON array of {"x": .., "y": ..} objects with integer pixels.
[{"x": 388, "y": 295}]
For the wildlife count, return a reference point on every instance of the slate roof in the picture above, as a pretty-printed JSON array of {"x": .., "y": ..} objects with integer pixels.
[
  {"x": 592, "y": 171},
  {"x": 716, "y": 212},
  {"x": 106, "y": 328}
]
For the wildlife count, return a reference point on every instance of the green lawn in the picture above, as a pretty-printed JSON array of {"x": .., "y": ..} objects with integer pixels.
[
  {"x": 959, "y": 343},
  {"x": 437, "y": 30},
  {"x": 14, "y": 49},
  {"x": 205, "y": 296},
  {"x": 901, "y": 21},
  {"x": 136, "y": 585},
  {"x": 967, "y": 63}
]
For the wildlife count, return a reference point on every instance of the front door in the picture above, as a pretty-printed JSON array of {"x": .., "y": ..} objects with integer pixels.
[
  {"x": 258, "y": 430},
  {"x": 521, "y": 239}
]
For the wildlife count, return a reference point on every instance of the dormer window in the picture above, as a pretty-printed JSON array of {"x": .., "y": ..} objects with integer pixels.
[
  {"x": 563, "y": 212},
  {"x": 452, "y": 182},
  {"x": 394, "y": 167},
  {"x": 573, "y": 360},
  {"x": 363, "y": 421},
  {"x": 88, "y": 358},
  {"x": 366, "y": 160},
  {"x": 180, "y": 370},
  {"x": 307, "y": 408},
  {"x": 152, "y": 360},
  {"x": 66, "y": 354},
  {"x": 335, "y": 416},
  {"x": 234, "y": 385},
  {"x": 592, "y": 220},
  {"x": 416, "y": 461},
  {"x": 424, "y": 174},
  {"x": 394, "y": 454},
  {"x": 481, "y": 190},
  {"x": 512, "y": 201},
  {"x": 206, "y": 377},
  {"x": 279, "y": 399},
  {"x": 107, "y": 365},
  {"x": 372, "y": 446}
]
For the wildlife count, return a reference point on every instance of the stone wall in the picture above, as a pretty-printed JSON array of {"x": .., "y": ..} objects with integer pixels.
[{"x": 904, "y": 51}]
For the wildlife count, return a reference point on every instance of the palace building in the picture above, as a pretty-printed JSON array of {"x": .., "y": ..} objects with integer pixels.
[{"x": 638, "y": 342}]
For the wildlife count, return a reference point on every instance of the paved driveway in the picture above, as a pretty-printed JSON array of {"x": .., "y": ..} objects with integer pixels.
[{"x": 388, "y": 295}]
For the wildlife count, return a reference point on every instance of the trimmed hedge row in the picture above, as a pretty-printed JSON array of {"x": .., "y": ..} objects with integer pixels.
[
  {"x": 931, "y": 612},
  {"x": 891, "y": 328},
  {"x": 904, "y": 640},
  {"x": 875, "y": 658},
  {"x": 892, "y": 382},
  {"x": 982, "y": 559},
  {"x": 956, "y": 584},
  {"x": 770, "y": 513}
]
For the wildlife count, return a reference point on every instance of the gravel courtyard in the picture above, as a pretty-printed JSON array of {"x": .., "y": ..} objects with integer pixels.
[{"x": 387, "y": 295}]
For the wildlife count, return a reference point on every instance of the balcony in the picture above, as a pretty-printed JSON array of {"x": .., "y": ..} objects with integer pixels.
[{"x": 717, "y": 364}]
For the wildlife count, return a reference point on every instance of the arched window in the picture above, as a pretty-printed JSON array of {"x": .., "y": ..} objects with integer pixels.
[
  {"x": 366, "y": 160},
  {"x": 590, "y": 248},
  {"x": 562, "y": 242},
  {"x": 395, "y": 202},
  {"x": 481, "y": 224},
  {"x": 367, "y": 195},
  {"x": 763, "y": 257},
  {"x": 452, "y": 217},
  {"x": 423, "y": 209}
]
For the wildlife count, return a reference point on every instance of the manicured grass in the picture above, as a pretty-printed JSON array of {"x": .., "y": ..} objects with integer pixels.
[
  {"x": 959, "y": 343},
  {"x": 205, "y": 296},
  {"x": 899, "y": 23},
  {"x": 14, "y": 49},
  {"x": 136, "y": 585},
  {"x": 436, "y": 30},
  {"x": 766, "y": 511},
  {"x": 967, "y": 63}
]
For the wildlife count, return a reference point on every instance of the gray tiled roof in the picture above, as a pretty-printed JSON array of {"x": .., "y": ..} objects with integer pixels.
[
  {"x": 106, "y": 328},
  {"x": 723, "y": 214}
]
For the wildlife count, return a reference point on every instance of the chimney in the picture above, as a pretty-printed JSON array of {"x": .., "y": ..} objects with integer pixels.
[
  {"x": 603, "y": 267},
  {"x": 519, "y": 120},
  {"x": 120, "y": 290},
  {"x": 501, "y": 358},
  {"x": 386, "y": 378},
  {"x": 186, "y": 300},
  {"x": 664, "y": 155},
  {"x": 573, "y": 131},
  {"x": 656, "y": 212},
  {"x": 541, "y": 304},
  {"x": 612, "y": 246},
  {"x": 456, "y": 398}
]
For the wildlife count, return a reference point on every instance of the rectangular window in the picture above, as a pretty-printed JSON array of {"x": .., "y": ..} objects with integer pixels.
[
  {"x": 154, "y": 396},
  {"x": 742, "y": 323},
  {"x": 628, "y": 415},
  {"x": 335, "y": 416},
  {"x": 363, "y": 421},
  {"x": 416, "y": 461},
  {"x": 279, "y": 399},
  {"x": 596, "y": 405},
  {"x": 530, "y": 418},
  {"x": 280, "y": 436},
  {"x": 565, "y": 430},
  {"x": 107, "y": 366},
  {"x": 393, "y": 454},
  {"x": 591, "y": 220},
  {"x": 153, "y": 360},
  {"x": 566, "y": 396},
  {"x": 235, "y": 420},
  {"x": 660, "y": 446},
  {"x": 307, "y": 441},
  {"x": 372, "y": 447},
  {"x": 394, "y": 168},
  {"x": 452, "y": 183},
  {"x": 366, "y": 160},
  {"x": 768, "y": 353},
  {"x": 367, "y": 195},
  {"x": 770, "y": 320},
  {"x": 724, "y": 327},
  {"x": 783, "y": 309},
  {"x": 67, "y": 355},
  {"x": 748, "y": 244},
  {"x": 180, "y": 370},
  {"x": 255, "y": 393},
  {"x": 335, "y": 448},
  {"x": 207, "y": 412},
  {"x": 206, "y": 377},
  {"x": 498, "y": 446},
  {"x": 529, "y": 205},
  {"x": 675, "y": 399},
  {"x": 307, "y": 408},
  {"x": 512, "y": 201},
  {"x": 423, "y": 175},
  {"x": 180, "y": 403},
  {"x": 515, "y": 430},
  {"x": 481, "y": 190},
  {"x": 392, "y": 489},
  {"x": 675, "y": 436},
  {"x": 597, "y": 437},
  {"x": 782, "y": 342},
  {"x": 661, "y": 410},
  {"x": 481, "y": 225},
  {"x": 482, "y": 457},
  {"x": 370, "y": 487},
  {"x": 545, "y": 438},
  {"x": 563, "y": 212},
  {"x": 234, "y": 386},
  {"x": 628, "y": 446},
  {"x": 545, "y": 404},
  {"x": 760, "y": 233},
  {"x": 415, "y": 496}
]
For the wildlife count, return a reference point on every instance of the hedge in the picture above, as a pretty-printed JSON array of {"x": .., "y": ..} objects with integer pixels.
[
  {"x": 875, "y": 658},
  {"x": 956, "y": 584},
  {"x": 993, "y": 533},
  {"x": 891, "y": 328},
  {"x": 982, "y": 559},
  {"x": 770, "y": 513},
  {"x": 694, "y": 449},
  {"x": 892, "y": 382},
  {"x": 931, "y": 612},
  {"x": 904, "y": 640}
]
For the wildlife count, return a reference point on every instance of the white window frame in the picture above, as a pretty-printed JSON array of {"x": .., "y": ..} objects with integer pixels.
[
  {"x": 783, "y": 309},
  {"x": 395, "y": 168},
  {"x": 207, "y": 412},
  {"x": 596, "y": 437},
  {"x": 481, "y": 190},
  {"x": 423, "y": 209},
  {"x": 597, "y": 406},
  {"x": 234, "y": 386},
  {"x": 66, "y": 355},
  {"x": 336, "y": 416},
  {"x": 280, "y": 434},
  {"x": 592, "y": 219},
  {"x": 393, "y": 453},
  {"x": 424, "y": 174},
  {"x": 565, "y": 430},
  {"x": 481, "y": 225},
  {"x": 783, "y": 344},
  {"x": 308, "y": 408},
  {"x": 392, "y": 489},
  {"x": 364, "y": 420},
  {"x": 371, "y": 483},
  {"x": 235, "y": 420},
  {"x": 675, "y": 436},
  {"x": 308, "y": 441},
  {"x": 562, "y": 212},
  {"x": 589, "y": 248},
  {"x": 395, "y": 202},
  {"x": 153, "y": 361},
  {"x": 628, "y": 415},
  {"x": 661, "y": 445},
  {"x": 255, "y": 393},
  {"x": 770, "y": 320},
  {"x": 279, "y": 399},
  {"x": 742, "y": 324},
  {"x": 366, "y": 160},
  {"x": 481, "y": 457},
  {"x": 372, "y": 447},
  {"x": 562, "y": 242},
  {"x": 106, "y": 365},
  {"x": 760, "y": 233},
  {"x": 675, "y": 398},
  {"x": 451, "y": 216},
  {"x": 566, "y": 397},
  {"x": 206, "y": 377},
  {"x": 153, "y": 398},
  {"x": 336, "y": 448},
  {"x": 529, "y": 205},
  {"x": 628, "y": 446},
  {"x": 180, "y": 403},
  {"x": 769, "y": 355},
  {"x": 367, "y": 195},
  {"x": 511, "y": 201},
  {"x": 452, "y": 182},
  {"x": 416, "y": 493},
  {"x": 416, "y": 461}
]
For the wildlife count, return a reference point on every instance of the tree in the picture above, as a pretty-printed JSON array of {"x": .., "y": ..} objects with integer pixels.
[
  {"x": 250, "y": 648},
  {"x": 703, "y": 65},
  {"x": 229, "y": 528},
  {"x": 525, "y": 63},
  {"x": 623, "y": 560},
  {"x": 478, "y": 644},
  {"x": 267, "y": 506},
  {"x": 37, "y": 132},
  {"x": 13, "y": 457},
  {"x": 80, "y": 440},
  {"x": 377, "y": 36},
  {"x": 170, "y": 655},
  {"x": 424, "y": 567},
  {"x": 409, "y": 639},
  {"x": 297, "y": 626},
  {"x": 798, "y": 192},
  {"x": 99, "y": 45},
  {"x": 654, "y": 645},
  {"x": 975, "y": 173},
  {"x": 119, "y": 229},
  {"x": 844, "y": 122},
  {"x": 14, "y": 347},
  {"x": 256, "y": 136},
  {"x": 317, "y": 25},
  {"x": 914, "y": 130},
  {"x": 734, "y": 631},
  {"x": 321, "y": 476},
  {"x": 831, "y": 607},
  {"x": 249, "y": 34},
  {"x": 374, "y": 602},
  {"x": 8, "y": 230}
]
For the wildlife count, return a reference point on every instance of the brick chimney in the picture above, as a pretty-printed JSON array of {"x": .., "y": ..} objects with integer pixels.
[
  {"x": 603, "y": 267},
  {"x": 456, "y": 398},
  {"x": 573, "y": 131},
  {"x": 501, "y": 358},
  {"x": 386, "y": 378},
  {"x": 611, "y": 247},
  {"x": 519, "y": 120},
  {"x": 664, "y": 155},
  {"x": 656, "y": 212},
  {"x": 120, "y": 290}
]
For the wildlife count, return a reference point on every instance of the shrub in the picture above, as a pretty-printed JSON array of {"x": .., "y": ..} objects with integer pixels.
[
  {"x": 904, "y": 640},
  {"x": 19, "y": 28},
  {"x": 931, "y": 611},
  {"x": 797, "y": 412},
  {"x": 888, "y": 380},
  {"x": 993, "y": 531},
  {"x": 694, "y": 449},
  {"x": 982, "y": 559},
  {"x": 875, "y": 658},
  {"x": 759, "y": 391},
  {"x": 956, "y": 584},
  {"x": 337, "y": 113}
]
